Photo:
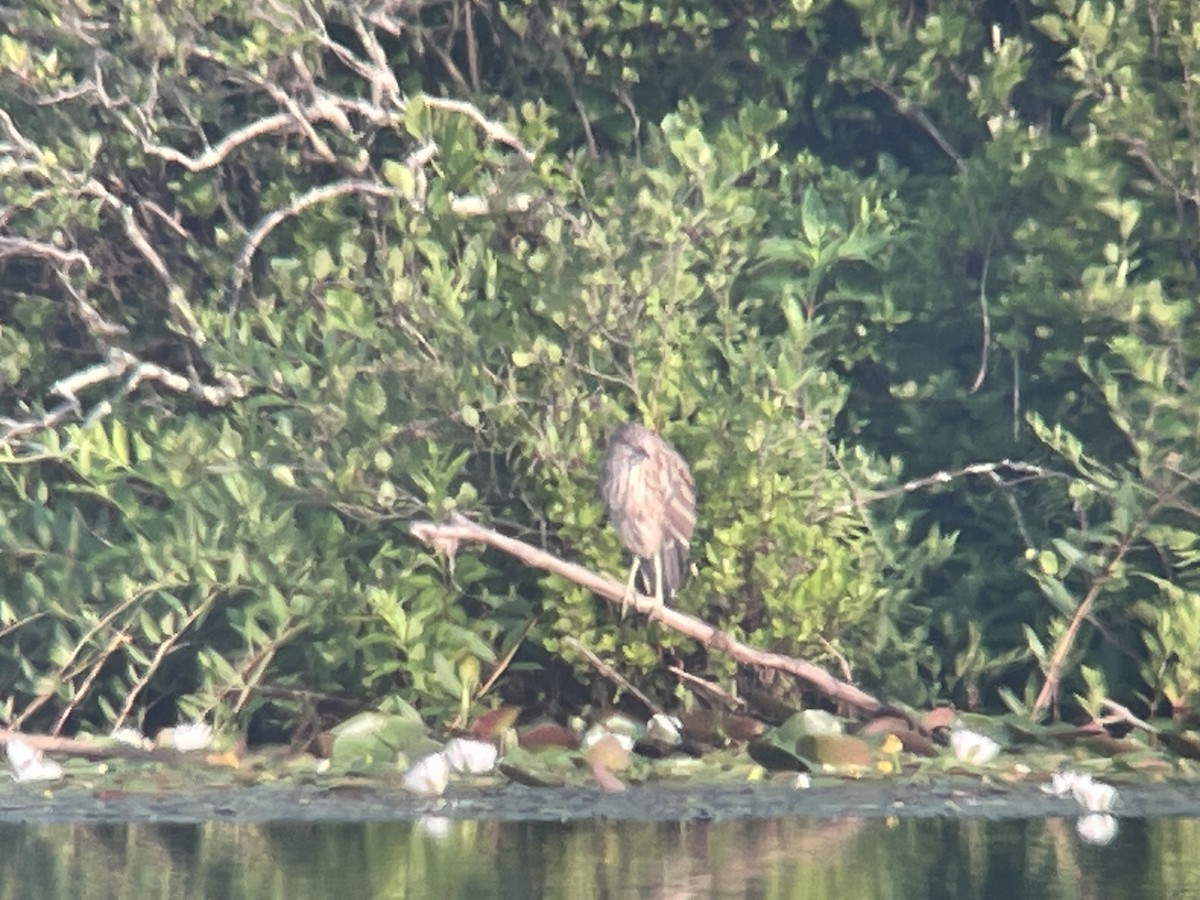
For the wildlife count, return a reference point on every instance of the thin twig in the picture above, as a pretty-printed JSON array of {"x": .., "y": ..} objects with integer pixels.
[
  {"x": 1125, "y": 714},
  {"x": 503, "y": 664},
  {"x": 986, "y": 323},
  {"x": 118, "y": 640},
  {"x": 1048, "y": 695},
  {"x": 991, "y": 470},
  {"x": 909, "y": 110},
  {"x": 612, "y": 674},
  {"x": 183, "y": 316},
  {"x": 709, "y": 689}
]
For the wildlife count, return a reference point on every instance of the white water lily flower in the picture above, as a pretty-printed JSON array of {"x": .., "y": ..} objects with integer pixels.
[
  {"x": 39, "y": 770},
  {"x": 598, "y": 732},
  {"x": 1062, "y": 784},
  {"x": 196, "y": 736},
  {"x": 1094, "y": 796},
  {"x": 21, "y": 753},
  {"x": 1098, "y": 829},
  {"x": 803, "y": 781},
  {"x": 28, "y": 763},
  {"x": 470, "y": 757},
  {"x": 973, "y": 747},
  {"x": 428, "y": 776},
  {"x": 131, "y": 737},
  {"x": 664, "y": 728}
]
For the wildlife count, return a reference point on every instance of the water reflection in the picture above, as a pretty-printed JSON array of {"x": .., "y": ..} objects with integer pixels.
[{"x": 793, "y": 858}]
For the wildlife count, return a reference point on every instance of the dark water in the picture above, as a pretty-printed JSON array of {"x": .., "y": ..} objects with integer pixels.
[{"x": 772, "y": 858}]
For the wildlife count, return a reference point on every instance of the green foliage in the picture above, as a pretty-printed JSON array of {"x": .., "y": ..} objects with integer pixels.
[{"x": 271, "y": 296}]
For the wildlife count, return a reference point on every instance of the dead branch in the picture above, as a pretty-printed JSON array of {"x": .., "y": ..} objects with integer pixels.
[
  {"x": 381, "y": 74},
  {"x": 168, "y": 646},
  {"x": 28, "y": 148},
  {"x": 10, "y": 246},
  {"x": 1123, "y": 713},
  {"x": 86, "y": 749},
  {"x": 992, "y": 470},
  {"x": 985, "y": 321},
  {"x": 241, "y": 268},
  {"x": 324, "y": 108},
  {"x": 713, "y": 692},
  {"x": 183, "y": 316},
  {"x": 217, "y": 153},
  {"x": 1048, "y": 696},
  {"x": 462, "y": 529},
  {"x": 612, "y": 675},
  {"x": 115, "y": 643},
  {"x": 493, "y": 130},
  {"x": 119, "y": 364},
  {"x": 911, "y": 111}
]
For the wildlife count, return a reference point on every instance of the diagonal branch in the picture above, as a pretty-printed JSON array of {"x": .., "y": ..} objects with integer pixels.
[
  {"x": 275, "y": 218},
  {"x": 447, "y": 537}
]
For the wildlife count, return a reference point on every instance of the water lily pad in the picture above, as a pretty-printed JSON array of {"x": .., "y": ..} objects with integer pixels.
[
  {"x": 374, "y": 738},
  {"x": 940, "y": 717},
  {"x": 548, "y": 768},
  {"x": 774, "y": 757},
  {"x": 809, "y": 722},
  {"x": 494, "y": 723},
  {"x": 837, "y": 750},
  {"x": 547, "y": 734},
  {"x": 610, "y": 752}
]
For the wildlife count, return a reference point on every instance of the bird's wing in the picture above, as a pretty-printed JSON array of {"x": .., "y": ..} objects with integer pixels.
[{"x": 679, "y": 518}]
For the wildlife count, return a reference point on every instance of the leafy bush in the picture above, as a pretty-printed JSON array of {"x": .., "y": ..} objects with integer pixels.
[{"x": 279, "y": 284}]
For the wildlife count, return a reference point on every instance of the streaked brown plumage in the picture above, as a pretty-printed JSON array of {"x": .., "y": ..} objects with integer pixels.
[{"x": 651, "y": 502}]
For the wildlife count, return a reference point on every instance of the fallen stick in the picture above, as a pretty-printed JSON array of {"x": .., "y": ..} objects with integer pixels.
[
  {"x": 87, "y": 749},
  {"x": 460, "y": 529}
]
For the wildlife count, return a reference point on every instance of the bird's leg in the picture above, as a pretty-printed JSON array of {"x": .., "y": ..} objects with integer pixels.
[
  {"x": 659, "y": 601},
  {"x": 629, "y": 591}
]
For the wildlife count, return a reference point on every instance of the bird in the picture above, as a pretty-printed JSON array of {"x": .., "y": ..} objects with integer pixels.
[{"x": 651, "y": 501}]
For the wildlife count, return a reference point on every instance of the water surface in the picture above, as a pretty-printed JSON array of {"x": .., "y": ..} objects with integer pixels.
[{"x": 444, "y": 858}]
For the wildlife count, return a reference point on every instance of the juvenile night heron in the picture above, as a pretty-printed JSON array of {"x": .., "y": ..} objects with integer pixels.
[{"x": 651, "y": 503}]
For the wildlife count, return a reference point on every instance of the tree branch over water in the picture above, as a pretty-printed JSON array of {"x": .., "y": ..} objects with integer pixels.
[{"x": 447, "y": 537}]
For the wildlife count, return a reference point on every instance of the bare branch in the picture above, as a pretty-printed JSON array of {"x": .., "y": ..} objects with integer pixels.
[
  {"x": 612, "y": 674},
  {"x": 119, "y": 363},
  {"x": 991, "y": 470},
  {"x": 382, "y": 75},
  {"x": 909, "y": 110},
  {"x": 241, "y": 268},
  {"x": 986, "y": 323},
  {"x": 86, "y": 749},
  {"x": 183, "y": 317},
  {"x": 217, "y": 153},
  {"x": 10, "y": 246},
  {"x": 1048, "y": 695},
  {"x": 22, "y": 143},
  {"x": 711, "y": 691},
  {"x": 117, "y": 641},
  {"x": 1125, "y": 714},
  {"x": 463, "y": 529},
  {"x": 494, "y": 130}
]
